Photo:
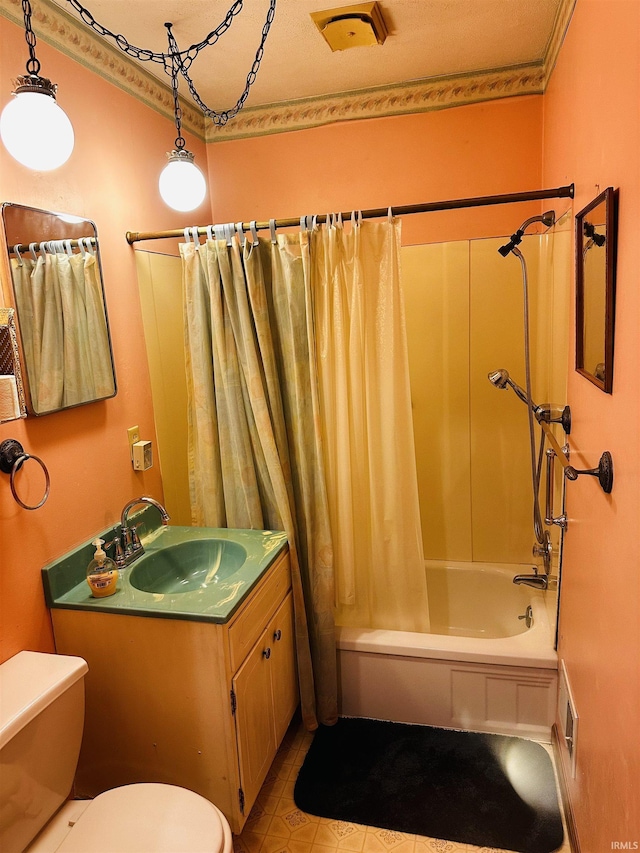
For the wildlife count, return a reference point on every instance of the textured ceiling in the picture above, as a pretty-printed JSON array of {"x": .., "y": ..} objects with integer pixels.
[{"x": 427, "y": 38}]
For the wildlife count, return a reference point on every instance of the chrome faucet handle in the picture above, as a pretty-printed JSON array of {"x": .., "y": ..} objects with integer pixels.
[
  {"x": 118, "y": 552},
  {"x": 136, "y": 544},
  {"x": 127, "y": 540},
  {"x": 545, "y": 551}
]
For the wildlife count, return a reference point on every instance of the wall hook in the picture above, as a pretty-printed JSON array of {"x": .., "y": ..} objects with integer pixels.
[{"x": 604, "y": 472}]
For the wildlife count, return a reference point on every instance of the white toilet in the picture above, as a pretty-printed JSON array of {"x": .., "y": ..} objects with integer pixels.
[{"x": 41, "y": 721}]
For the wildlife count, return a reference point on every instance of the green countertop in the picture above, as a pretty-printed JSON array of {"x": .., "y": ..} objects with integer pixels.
[{"x": 66, "y": 587}]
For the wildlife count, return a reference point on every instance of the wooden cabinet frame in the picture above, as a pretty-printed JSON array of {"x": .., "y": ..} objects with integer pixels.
[{"x": 187, "y": 703}]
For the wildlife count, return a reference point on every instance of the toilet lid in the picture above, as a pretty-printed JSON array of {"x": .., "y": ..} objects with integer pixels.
[{"x": 148, "y": 818}]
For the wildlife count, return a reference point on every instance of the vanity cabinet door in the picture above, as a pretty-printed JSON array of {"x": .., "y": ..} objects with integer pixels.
[
  {"x": 254, "y": 719},
  {"x": 284, "y": 680},
  {"x": 266, "y": 692}
]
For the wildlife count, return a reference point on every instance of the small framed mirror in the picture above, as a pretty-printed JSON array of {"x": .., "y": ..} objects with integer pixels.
[
  {"x": 59, "y": 299},
  {"x": 596, "y": 233}
]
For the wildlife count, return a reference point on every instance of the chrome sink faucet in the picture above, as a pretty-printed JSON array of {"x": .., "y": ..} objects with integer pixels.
[{"x": 128, "y": 546}]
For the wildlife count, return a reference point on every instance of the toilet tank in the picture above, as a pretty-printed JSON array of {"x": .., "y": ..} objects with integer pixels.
[{"x": 41, "y": 721}]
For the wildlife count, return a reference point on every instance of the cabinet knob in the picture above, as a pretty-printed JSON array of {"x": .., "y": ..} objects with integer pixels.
[
  {"x": 277, "y": 635},
  {"x": 266, "y": 653}
]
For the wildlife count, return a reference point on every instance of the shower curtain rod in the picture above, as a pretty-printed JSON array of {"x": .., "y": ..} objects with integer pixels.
[
  {"x": 376, "y": 212},
  {"x": 23, "y": 248}
]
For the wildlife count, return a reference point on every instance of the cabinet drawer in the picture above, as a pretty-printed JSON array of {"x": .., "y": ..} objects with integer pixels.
[{"x": 252, "y": 619}]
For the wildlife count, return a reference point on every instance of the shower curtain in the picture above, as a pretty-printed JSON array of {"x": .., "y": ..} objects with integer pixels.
[
  {"x": 254, "y": 427},
  {"x": 297, "y": 376},
  {"x": 63, "y": 329},
  {"x": 368, "y": 427}
]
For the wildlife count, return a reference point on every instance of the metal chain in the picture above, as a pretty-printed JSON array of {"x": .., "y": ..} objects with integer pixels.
[
  {"x": 177, "y": 110},
  {"x": 145, "y": 55},
  {"x": 223, "y": 116},
  {"x": 180, "y": 60},
  {"x": 33, "y": 65}
]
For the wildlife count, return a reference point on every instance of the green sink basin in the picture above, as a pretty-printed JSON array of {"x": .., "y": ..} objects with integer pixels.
[
  {"x": 196, "y": 573},
  {"x": 188, "y": 566}
]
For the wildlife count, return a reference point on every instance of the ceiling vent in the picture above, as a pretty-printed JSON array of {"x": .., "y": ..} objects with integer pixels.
[{"x": 358, "y": 25}]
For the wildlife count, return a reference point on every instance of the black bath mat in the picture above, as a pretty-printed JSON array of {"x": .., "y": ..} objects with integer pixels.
[{"x": 482, "y": 789}]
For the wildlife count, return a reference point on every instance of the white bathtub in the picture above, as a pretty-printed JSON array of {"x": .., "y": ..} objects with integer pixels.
[{"x": 480, "y": 668}]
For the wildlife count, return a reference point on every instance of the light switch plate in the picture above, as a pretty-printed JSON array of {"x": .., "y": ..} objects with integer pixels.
[{"x": 133, "y": 434}]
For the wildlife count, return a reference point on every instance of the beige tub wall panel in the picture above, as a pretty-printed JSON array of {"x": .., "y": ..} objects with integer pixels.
[
  {"x": 541, "y": 300},
  {"x": 541, "y": 287},
  {"x": 555, "y": 263},
  {"x": 436, "y": 291},
  {"x": 500, "y": 461},
  {"x": 560, "y": 247},
  {"x": 159, "y": 281},
  {"x": 561, "y": 358}
]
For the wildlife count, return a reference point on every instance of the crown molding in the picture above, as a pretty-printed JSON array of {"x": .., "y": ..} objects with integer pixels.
[
  {"x": 556, "y": 39},
  {"x": 432, "y": 93},
  {"x": 61, "y": 30},
  {"x": 73, "y": 38}
]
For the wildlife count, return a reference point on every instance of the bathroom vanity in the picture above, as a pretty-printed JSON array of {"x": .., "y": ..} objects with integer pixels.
[{"x": 200, "y": 699}]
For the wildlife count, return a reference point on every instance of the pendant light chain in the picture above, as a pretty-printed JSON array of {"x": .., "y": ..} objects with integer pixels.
[
  {"x": 223, "y": 116},
  {"x": 33, "y": 64},
  {"x": 179, "y": 61},
  {"x": 180, "y": 141},
  {"x": 145, "y": 55}
]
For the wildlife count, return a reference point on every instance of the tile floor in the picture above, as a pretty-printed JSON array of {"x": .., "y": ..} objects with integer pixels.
[{"x": 276, "y": 825}]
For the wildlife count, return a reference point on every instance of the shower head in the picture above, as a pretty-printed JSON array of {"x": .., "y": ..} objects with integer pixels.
[
  {"x": 500, "y": 379},
  {"x": 547, "y": 218}
]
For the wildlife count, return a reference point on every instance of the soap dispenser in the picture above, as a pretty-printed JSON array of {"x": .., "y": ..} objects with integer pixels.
[{"x": 102, "y": 574}]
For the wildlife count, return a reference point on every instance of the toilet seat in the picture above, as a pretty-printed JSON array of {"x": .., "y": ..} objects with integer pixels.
[{"x": 149, "y": 818}]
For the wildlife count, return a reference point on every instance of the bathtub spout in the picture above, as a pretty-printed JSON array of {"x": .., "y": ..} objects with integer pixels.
[{"x": 538, "y": 581}]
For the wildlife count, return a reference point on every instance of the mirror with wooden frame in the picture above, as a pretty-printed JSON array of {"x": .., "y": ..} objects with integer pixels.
[
  {"x": 596, "y": 227},
  {"x": 58, "y": 295}
]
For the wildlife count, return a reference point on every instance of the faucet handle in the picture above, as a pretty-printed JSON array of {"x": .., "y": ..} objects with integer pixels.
[
  {"x": 127, "y": 540},
  {"x": 136, "y": 544},
  {"x": 119, "y": 552}
]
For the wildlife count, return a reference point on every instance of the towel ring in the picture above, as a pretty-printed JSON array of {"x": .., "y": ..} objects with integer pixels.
[{"x": 12, "y": 458}]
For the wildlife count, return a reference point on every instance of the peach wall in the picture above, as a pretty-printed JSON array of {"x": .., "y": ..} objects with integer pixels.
[
  {"x": 592, "y": 136},
  {"x": 476, "y": 150},
  {"x": 111, "y": 178}
]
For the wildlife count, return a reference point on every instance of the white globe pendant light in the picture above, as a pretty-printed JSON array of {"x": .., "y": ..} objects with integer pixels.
[
  {"x": 182, "y": 185},
  {"x": 38, "y": 133},
  {"x": 33, "y": 128}
]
